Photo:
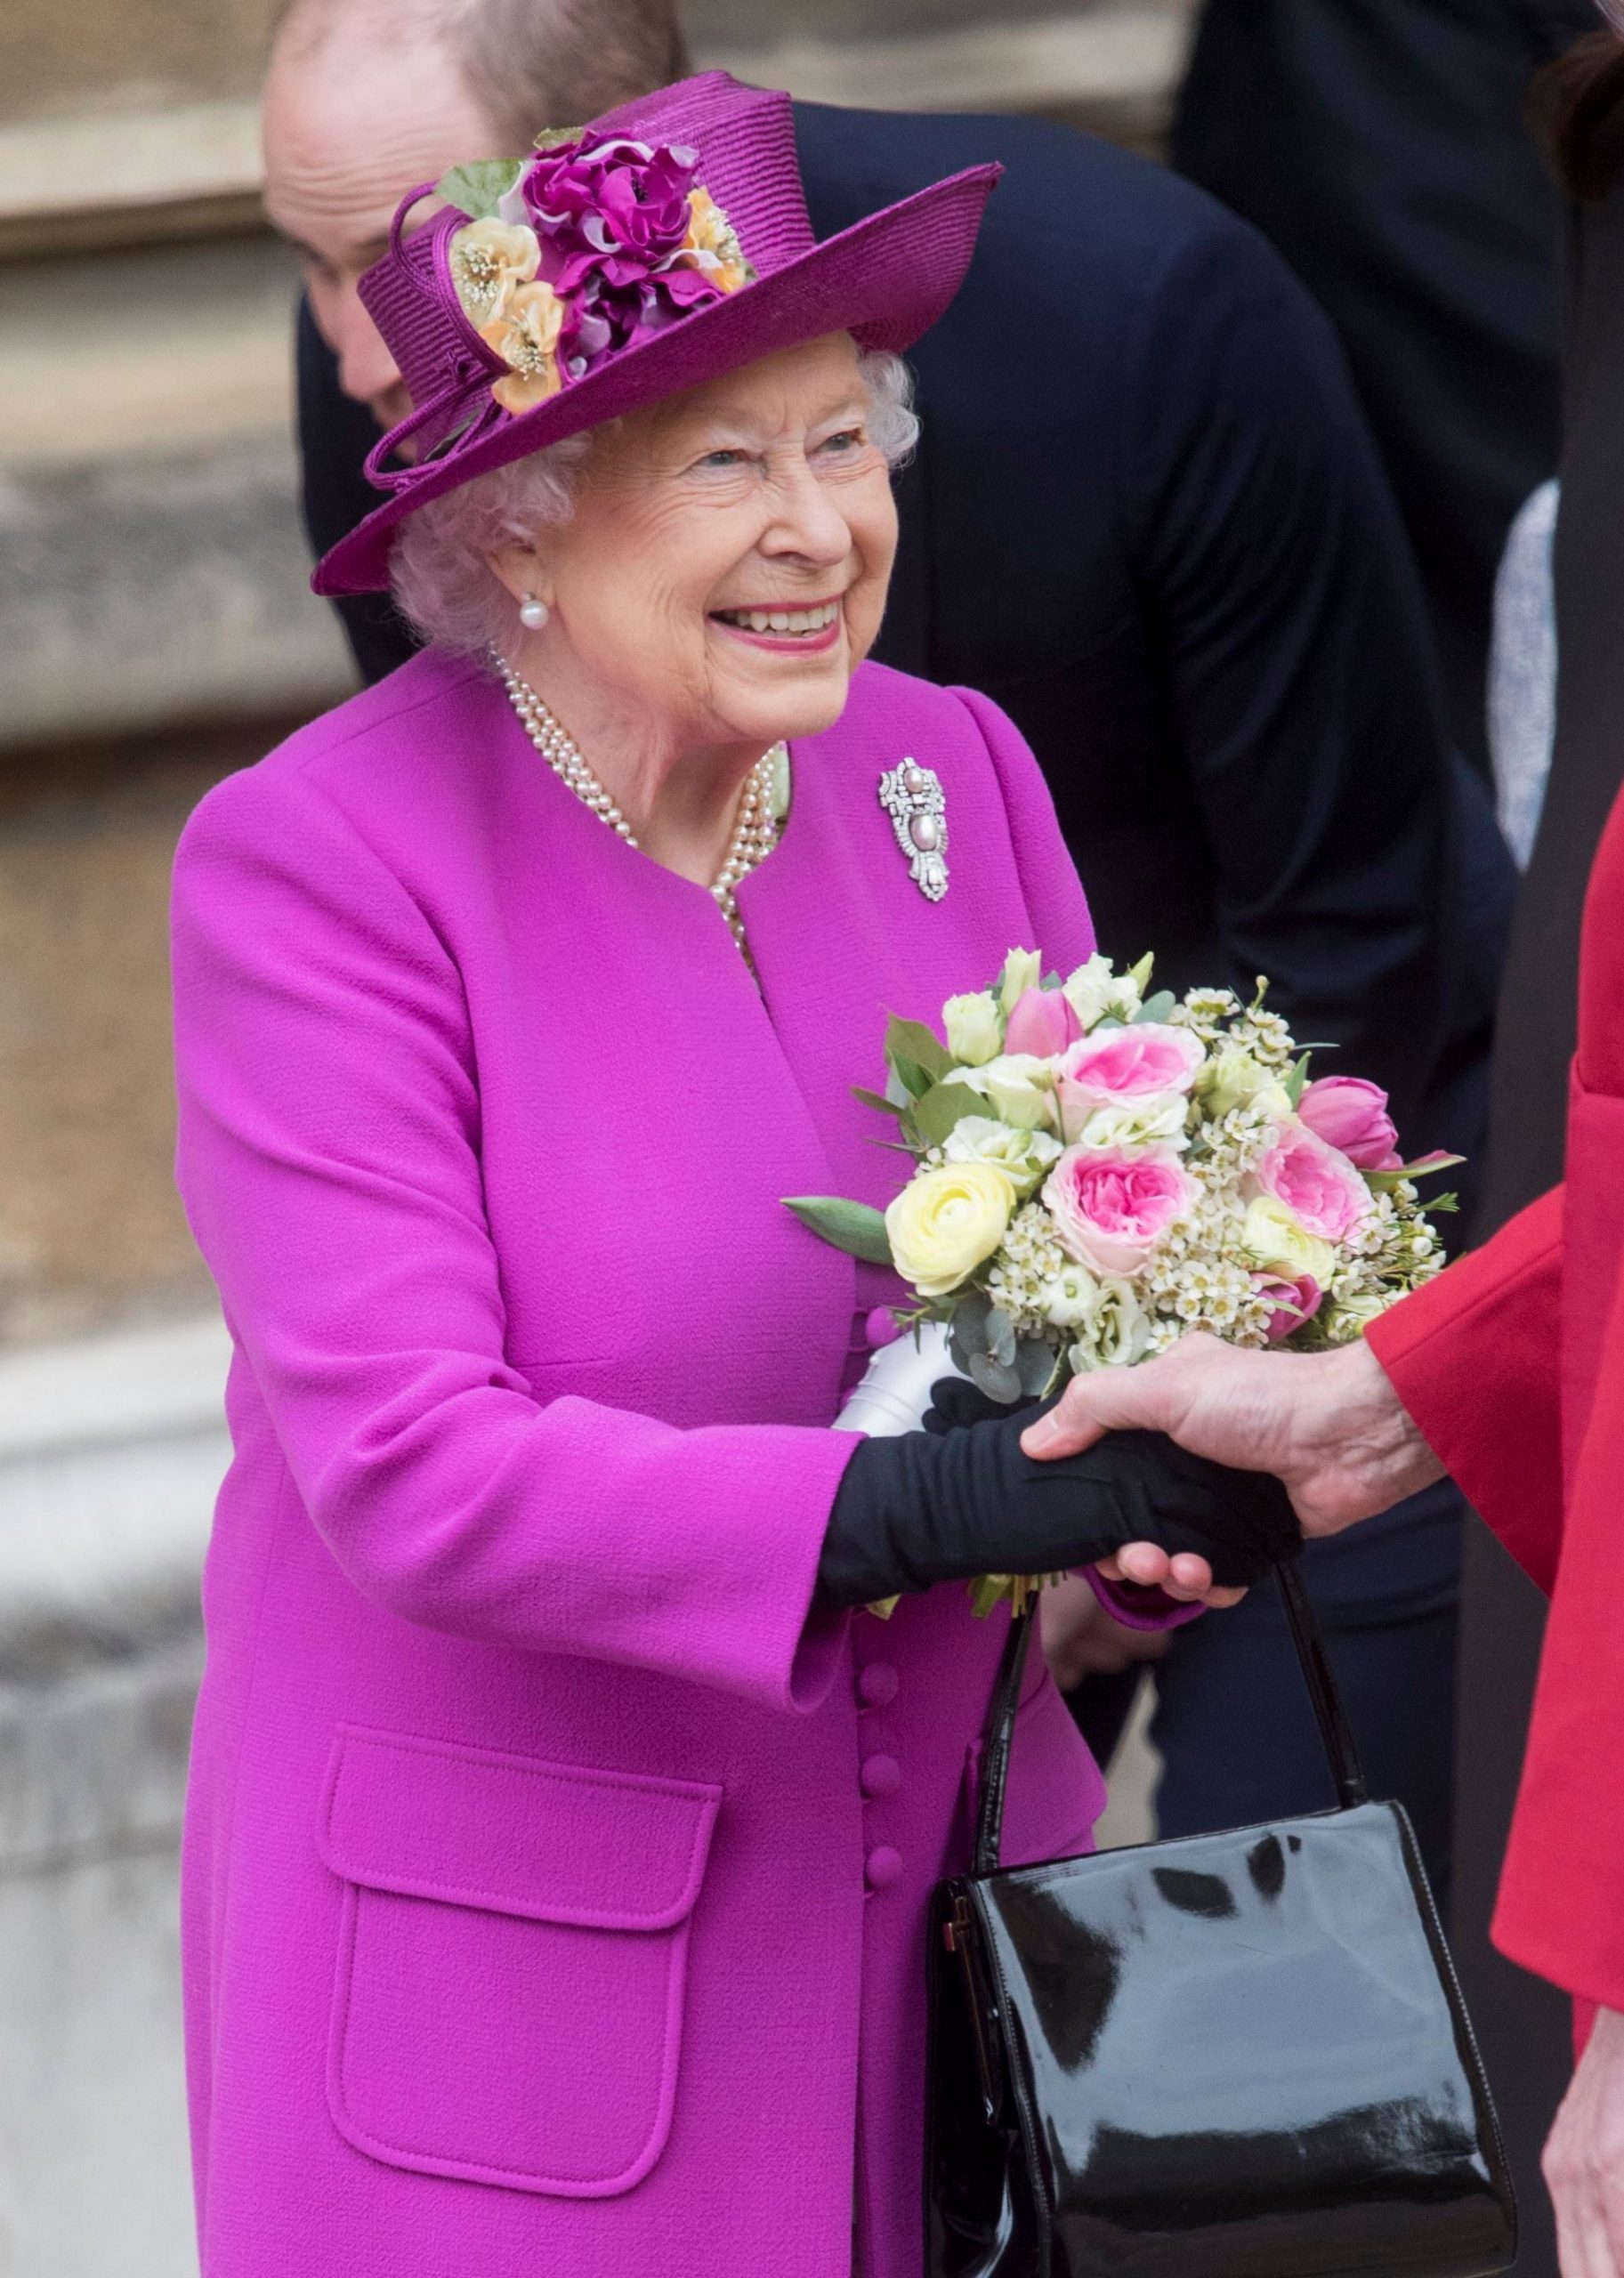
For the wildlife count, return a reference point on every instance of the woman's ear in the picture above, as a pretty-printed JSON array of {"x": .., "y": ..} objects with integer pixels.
[{"x": 521, "y": 569}]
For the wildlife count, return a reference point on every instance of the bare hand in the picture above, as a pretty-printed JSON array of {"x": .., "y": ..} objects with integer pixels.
[
  {"x": 1328, "y": 1425},
  {"x": 1584, "y": 2159}
]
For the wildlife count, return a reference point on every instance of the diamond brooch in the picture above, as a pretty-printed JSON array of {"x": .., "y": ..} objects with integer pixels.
[{"x": 911, "y": 795}]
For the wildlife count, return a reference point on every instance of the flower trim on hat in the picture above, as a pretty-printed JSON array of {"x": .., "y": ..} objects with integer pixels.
[{"x": 581, "y": 251}]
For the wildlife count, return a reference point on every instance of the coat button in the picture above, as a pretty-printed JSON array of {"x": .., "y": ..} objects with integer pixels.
[
  {"x": 883, "y": 1867},
  {"x": 881, "y": 1775},
  {"x": 877, "y": 1684}
]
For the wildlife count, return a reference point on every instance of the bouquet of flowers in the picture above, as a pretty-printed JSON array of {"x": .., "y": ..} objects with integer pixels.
[{"x": 1099, "y": 1171}]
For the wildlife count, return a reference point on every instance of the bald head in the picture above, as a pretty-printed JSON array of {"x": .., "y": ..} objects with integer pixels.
[{"x": 364, "y": 98}]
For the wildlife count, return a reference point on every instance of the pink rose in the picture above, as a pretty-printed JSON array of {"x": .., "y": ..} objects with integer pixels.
[
  {"x": 1351, "y": 1114},
  {"x": 1110, "y": 1208},
  {"x": 1317, "y": 1184},
  {"x": 1125, "y": 1067},
  {"x": 1293, "y": 1302},
  {"x": 1042, "y": 1023}
]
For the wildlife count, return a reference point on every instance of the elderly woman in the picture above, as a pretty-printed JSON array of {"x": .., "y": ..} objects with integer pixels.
[{"x": 560, "y": 1837}]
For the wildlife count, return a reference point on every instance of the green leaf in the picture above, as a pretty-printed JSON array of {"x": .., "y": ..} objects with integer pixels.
[
  {"x": 1140, "y": 974},
  {"x": 884, "y": 1607},
  {"x": 1384, "y": 1182},
  {"x": 1157, "y": 1008},
  {"x": 937, "y": 1111},
  {"x": 855, "y": 1227},
  {"x": 554, "y": 138},
  {"x": 911, "y": 1040},
  {"x": 968, "y": 1335},
  {"x": 915, "y": 1080},
  {"x": 1036, "y": 1363},
  {"x": 479, "y": 188},
  {"x": 1001, "y": 1337},
  {"x": 876, "y": 1099},
  {"x": 987, "y": 1591},
  {"x": 998, "y": 1381},
  {"x": 1295, "y": 1082}
]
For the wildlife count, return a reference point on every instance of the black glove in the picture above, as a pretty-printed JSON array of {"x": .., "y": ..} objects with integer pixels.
[{"x": 958, "y": 1499}]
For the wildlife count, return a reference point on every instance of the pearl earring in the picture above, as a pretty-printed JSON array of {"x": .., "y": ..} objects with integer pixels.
[{"x": 533, "y": 614}]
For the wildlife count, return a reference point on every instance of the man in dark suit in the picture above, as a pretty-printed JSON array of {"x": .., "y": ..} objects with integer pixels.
[
  {"x": 1145, "y": 517},
  {"x": 1383, "y": 146}
]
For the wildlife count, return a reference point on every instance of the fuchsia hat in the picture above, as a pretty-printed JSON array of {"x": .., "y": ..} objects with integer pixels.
[{"x": 659, "y": 248}]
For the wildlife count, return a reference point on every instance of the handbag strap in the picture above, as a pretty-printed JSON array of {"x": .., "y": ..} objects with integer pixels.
[{"x": 998, "y": 1736}]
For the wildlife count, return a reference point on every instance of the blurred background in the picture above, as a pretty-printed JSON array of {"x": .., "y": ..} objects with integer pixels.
[{"x": 157, "y": 632}]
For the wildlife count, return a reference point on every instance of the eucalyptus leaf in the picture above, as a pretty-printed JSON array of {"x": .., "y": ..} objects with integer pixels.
[
  {"x": 1157, "y": 1008},
  {"x": 1036, "y": 1363},
  {"x": 479, "y": 188},
  {"x": 937, "y": 1111},
  {"x": 910, "y": 1041},
  {"x": 968, "y": 1335},
  {"x": 1001, "y": 1337},
  {"x": 855, "y": 1227},
  {"x": 998, "y": 1381}
]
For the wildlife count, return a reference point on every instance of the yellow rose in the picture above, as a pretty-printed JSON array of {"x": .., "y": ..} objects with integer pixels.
[
  {"x": 1276, "y": 1240},
  {"x": 525, "y": 336},
  {"x": 488, "y": 259},
  {"x": 946, "y": 1222}
]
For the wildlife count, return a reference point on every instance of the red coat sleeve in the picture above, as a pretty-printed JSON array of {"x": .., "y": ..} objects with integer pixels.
[
  {"x": 1476, "y": 1358},
  {"x": 1562, "y": 1898}
]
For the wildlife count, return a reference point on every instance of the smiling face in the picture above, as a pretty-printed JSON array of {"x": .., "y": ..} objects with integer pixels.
[
  {"x": 351, "y": 123},
  {"x": 724, "y": 571}
]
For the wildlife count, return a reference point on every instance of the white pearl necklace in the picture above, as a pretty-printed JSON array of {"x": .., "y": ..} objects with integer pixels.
[{"x": 755, "y": 827}]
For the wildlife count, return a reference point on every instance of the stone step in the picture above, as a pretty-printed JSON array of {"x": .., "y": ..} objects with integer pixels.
[{"x": 143, "y": 175}]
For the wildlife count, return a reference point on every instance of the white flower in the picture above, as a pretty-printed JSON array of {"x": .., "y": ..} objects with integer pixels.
[
  {"x": 1025, "y": 1155},
  {"x": 1073, "y": 1298},
  {"x": 1020, "y": 1085},
  {"x": 1152, "y": 1122},
  {"x": 1094, "y": 991},
  {"x": 1022, "y": 970},
  {"x": 1117, "y": 1333},
  {"x": 974, "y": 1029}
]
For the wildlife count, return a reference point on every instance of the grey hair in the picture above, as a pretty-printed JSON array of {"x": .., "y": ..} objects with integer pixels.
[
  {"x": 527, "y": 64},
  {"x": 448, "y": 591}
]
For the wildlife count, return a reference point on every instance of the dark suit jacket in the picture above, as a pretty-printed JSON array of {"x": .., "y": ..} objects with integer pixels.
[
  {"x": 1146, "y": 518},
  {"x": 1384, "y": 147}
]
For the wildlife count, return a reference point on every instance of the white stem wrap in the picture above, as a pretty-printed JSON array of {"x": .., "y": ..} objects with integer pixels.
[{"x": 896, "y": 1390}]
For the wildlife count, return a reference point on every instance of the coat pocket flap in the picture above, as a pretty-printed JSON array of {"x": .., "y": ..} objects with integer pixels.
[{"x": 553, "y": 1842}]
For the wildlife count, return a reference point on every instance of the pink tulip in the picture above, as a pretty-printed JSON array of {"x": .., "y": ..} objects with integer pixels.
[
  {"x": 1350, "y": 1114},
  {"x": 1042, "y": 1023},
  {"x": 1110, "y": 1208},
  {"x": 1317, "y": 1183},
  {"x": 1293, "y": 1302}
]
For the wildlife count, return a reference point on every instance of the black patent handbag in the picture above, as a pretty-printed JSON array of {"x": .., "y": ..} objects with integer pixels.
[{"x": 1235, "y": 2056}]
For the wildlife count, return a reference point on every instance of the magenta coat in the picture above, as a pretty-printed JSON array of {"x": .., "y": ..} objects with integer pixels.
[{"x": 556, "y": 1868}]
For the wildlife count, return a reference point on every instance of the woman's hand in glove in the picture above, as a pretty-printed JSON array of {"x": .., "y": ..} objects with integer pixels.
[
  {"x": 947, "y": 1505},
  {"x": 1183, "y": 1576}
]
